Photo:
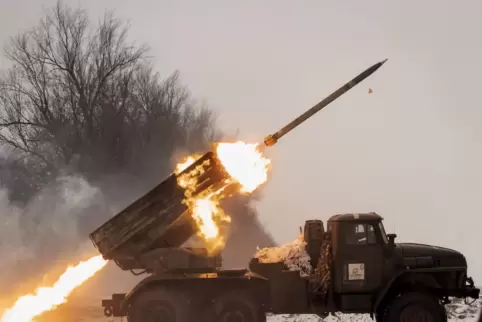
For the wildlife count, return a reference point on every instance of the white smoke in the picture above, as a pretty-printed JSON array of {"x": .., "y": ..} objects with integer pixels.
[
  {"x": 53, "y": 226},
  {"x": 11, "y": 249}
]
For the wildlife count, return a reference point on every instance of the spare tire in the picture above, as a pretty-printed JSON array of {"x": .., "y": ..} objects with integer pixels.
[{"x": 160, "y": 304}]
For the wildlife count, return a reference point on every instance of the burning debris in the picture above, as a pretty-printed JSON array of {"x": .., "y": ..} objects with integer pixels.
[{"x": 293, "y": 255}]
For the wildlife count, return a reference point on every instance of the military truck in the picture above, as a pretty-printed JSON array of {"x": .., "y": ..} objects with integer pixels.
[
  {"x": 357, "y": 267},
  {"x": 360, "y": 269}
]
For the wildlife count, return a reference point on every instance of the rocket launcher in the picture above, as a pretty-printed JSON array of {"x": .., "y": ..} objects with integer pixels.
[{"x": 161, "y": 220}]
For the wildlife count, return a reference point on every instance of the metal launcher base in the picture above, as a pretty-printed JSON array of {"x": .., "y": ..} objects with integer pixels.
[{"x": 135, "y": 237}]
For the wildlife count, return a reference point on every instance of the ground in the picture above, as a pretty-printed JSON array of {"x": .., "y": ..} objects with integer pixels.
[{"x": 91, "y": 312}]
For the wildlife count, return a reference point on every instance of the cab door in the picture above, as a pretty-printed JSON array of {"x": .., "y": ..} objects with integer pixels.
[{"x": 359, "y": 258}]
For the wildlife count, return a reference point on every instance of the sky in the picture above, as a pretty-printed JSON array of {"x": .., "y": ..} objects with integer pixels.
[{"x": 410, "y": 151}]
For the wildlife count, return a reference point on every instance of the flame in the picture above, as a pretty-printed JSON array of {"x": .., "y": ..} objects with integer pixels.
[
  {"x": 245, "y": 165},
  {"x": 184, "y": 164},
  {"x": 209, "y": 216},
  {"x": 205, "y": 208},
  {"x": 44, "y": 299}
]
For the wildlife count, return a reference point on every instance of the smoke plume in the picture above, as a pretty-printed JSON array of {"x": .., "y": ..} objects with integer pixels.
[{"x": 39, "y": 239}]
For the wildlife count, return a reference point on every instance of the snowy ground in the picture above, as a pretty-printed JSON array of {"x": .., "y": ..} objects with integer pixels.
[{"x": 74, "y": 312}]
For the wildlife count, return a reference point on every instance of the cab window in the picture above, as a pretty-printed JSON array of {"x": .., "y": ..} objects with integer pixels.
[
  {"x": 360, "y": 234},
  {"x": 383, "y": 233}
]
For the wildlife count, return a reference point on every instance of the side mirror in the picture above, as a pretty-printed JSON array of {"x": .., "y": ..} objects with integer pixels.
[{"x": 391, "y": 239}]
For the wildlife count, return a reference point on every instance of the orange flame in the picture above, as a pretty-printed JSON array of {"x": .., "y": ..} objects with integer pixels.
[
  {"x": 44, "y": 299},
  {"x": 205, "y": 209},
  {"x": 245, "y": 165},
  {"x": 184, "y": 164}
]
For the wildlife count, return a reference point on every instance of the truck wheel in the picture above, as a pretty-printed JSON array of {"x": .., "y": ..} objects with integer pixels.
[
  {"x": 237, "y": 307},
  {"x": 159, "y": 305},
  {"x": 415, "y": 307}
]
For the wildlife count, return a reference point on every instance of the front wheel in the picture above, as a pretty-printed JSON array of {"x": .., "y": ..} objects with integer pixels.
[
  {"x": 160, "y": 305},
  {"x": 415, "y": 307}
]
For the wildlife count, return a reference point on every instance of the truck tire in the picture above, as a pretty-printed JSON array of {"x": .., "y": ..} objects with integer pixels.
[
  {"x": 415, "y": 307},
  {"x": 159, "y": 305},
  {"x": 237, "y": 307}
]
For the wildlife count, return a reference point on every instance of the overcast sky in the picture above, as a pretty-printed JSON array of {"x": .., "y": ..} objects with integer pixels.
[{"x": 411, "y": 150}]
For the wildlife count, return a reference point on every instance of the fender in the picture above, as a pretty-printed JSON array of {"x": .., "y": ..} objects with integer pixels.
[
  {"x": 420, "y": 276},
  {"x": 167, "y": 279},
  {"x": 153, "y": 279}
]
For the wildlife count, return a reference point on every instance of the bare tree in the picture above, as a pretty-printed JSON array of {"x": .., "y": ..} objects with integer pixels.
[{"x": 80, "y": 95}]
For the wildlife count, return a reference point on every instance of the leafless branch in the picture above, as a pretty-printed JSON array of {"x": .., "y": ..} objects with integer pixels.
[{"x": 82, "y": 91}]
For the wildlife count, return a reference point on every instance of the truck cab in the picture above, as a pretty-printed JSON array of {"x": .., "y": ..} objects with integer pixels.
[
  {"x": 362, "y": 259},
  {"x": 358, "y": 268}
]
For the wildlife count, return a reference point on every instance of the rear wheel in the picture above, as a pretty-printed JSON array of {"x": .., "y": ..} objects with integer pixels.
[
  {"x": 237, "y": 307},
  {"x": 415, "y": 307},
  {"x": 160, "y": 305}
]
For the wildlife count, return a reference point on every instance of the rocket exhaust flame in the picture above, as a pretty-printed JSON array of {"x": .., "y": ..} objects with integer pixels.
[
  {"x": 247, "y": 168},
  {"x": 44, "y": 299},
  {"x": 245, "y": 163}
]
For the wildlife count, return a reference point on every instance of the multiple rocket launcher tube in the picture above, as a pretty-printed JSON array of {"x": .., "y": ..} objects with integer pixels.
[{"x": 160, "y": 219}]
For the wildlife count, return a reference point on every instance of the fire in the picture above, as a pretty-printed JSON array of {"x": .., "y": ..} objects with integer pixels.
[
  {"x": 245, "y": 165},
  {"x": 204, "y": 212},
  {"x": 181, "y": 166},
  {"x": 44, "y": 299},
  {"x": 205, "y": 209}
]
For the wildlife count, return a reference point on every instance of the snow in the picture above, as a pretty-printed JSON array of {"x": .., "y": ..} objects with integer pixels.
[
  {"x": 456, "y": 311},
  {"x": 340, "y": 317}
]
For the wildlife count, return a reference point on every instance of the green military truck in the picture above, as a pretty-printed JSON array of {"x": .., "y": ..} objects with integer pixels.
[
  {"x": 362, "y": 270},
  {"x": 357, "y": 268}
]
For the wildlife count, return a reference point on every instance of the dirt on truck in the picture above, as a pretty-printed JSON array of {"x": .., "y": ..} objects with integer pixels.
[{"x": 355, "y": 266}]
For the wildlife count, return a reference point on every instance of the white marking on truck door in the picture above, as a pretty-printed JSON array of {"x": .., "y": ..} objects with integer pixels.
[{"x": 356, "y": 272}]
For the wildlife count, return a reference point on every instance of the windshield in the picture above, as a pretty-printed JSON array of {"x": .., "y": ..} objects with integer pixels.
[{"x": 382, "y": 231}]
